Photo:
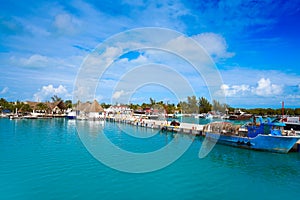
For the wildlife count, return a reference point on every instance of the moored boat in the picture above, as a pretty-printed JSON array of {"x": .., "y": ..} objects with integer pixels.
[
  {"x": 291, "y": 123},
  {"x": 71, "y": 115},
  {"x": 264, "y": 136},
  {"x": 239, "y": 115}
]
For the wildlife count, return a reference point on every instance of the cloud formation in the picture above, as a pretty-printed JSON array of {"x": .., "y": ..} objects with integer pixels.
[
  {"x": 45, "y": 42},
  {"x": 266, "y": 88},
  {"x": 49, "y": 90},
  {"x": 263, "y": 88},
  {"x": 66, "y": 23},
  {"x": 4, "y": 90},
  {"x": 118, "y": 94},
  {"x": 214, "y": 44}
]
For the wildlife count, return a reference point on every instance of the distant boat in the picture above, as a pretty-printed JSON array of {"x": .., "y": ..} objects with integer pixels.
[
  {"x": 239, "y": 115},
  {"x": 291, "y": 123},
  {"x": 71, "y": 115},
  {"x": 265, "y": 136},
  {"x": 15, "y": 116},
  {"x": 209, "y": 116},
  {"x": 204, "y": 116}
]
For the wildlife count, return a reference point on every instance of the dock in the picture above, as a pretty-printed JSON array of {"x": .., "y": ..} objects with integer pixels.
[{"x": 186, "y": 128}]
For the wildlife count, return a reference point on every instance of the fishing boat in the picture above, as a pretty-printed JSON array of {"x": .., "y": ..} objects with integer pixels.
[{"x": 264, "y": 136}]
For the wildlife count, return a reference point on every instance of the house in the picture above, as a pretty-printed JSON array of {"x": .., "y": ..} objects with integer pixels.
[
  {"x": 95, "y": 111},
  {"x": 42, "y": 109},
  {"x": 119, "y": 109},
  {"x": 57, "y": 107},
  {"x": 90, "y": 110},
  {"x": 38, "y": 108}
]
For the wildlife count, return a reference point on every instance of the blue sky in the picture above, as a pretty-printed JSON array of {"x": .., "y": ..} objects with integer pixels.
[{"x": 254, "y": 44}]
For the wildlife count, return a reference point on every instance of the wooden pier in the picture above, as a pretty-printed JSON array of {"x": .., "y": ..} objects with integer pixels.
[{"x": 186, "y": 128}]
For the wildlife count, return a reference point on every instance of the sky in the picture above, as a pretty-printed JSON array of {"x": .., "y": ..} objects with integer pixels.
[{"x": 255, "y": 46}]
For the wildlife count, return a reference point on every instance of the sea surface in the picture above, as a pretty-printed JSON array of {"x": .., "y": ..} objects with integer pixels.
[{"x": 46, "y": 159}]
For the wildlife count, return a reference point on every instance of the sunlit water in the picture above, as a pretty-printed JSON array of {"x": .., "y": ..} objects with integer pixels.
[{"x": 45, "y": 159}]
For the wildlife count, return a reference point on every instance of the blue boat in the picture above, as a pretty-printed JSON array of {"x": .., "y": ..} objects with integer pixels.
[{"x": 264, "y": 136}]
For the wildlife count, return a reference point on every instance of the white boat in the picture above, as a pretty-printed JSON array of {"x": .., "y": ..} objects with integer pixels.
[
  {"x": 71, "y": 115},
  {"x": 209, "y": 116}
]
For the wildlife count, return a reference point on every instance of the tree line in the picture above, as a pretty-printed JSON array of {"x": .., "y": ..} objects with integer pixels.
[
  {"x": 6, "y": 106},
  {"x": 192, "y": 105}
]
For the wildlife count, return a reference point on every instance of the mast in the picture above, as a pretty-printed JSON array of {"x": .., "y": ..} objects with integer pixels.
[{"x": 282, "y": 108}]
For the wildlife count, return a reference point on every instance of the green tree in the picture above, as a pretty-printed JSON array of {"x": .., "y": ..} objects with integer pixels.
[
  {"x": 297, "y": 111},
  {"x": 68, "y": 103},
  {"x": 170, "y": 108},
  {"x": 42, "y": 106},
  {"x": 184, "y": 107},
  {"x": 105, "y": 106},
  {"x": 133, "y": 106},
  {"x": 145, "y": 105},
  {"x": 217, "y": 106},
  {"x": 25, "y": 108},
  {"x": 192, "y": 103},
  {"x": 204, "y": 105}
]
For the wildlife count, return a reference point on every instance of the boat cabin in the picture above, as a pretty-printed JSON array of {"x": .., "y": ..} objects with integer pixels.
[{"x": 269, "y": 127}]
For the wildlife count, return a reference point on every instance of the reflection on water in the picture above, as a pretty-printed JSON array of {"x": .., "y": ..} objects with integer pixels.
[
  {"x": 268, "y": 166},
  {"x": 128, "y": 137},
  {"x": 45, "y": 159}
]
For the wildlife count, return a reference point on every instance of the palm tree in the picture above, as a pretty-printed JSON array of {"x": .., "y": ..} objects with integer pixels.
[
  {"x": 42, "y": 106},
  {"x": 55, "y": 98}
]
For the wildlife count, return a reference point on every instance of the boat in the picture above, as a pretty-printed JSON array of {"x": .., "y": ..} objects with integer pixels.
[
  {"x": 209, "y": 116},
  {"x": 202, "y": 115},
  {"x": 30, "y": 117},
  {"x": 263, "y": 136},
  {"x": 15, "y": 116},
  {"x": 291, "y": 123},
  {"x": 71, "y": 115},
  {"x": 177, "y": 115},
  {"x": 239, "y": 115}
]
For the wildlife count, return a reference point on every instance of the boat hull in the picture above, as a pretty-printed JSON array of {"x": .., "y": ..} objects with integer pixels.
[
  {"x": 278, "y": 144},
  {"x": 71, "y": 117}
]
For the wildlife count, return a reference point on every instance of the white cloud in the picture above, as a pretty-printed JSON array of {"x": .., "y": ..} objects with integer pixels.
[
  {"x": 4, "y": 90},
  {"x": 235, "y": 89},
  {"x": 35, "y": 60},
  {"x": 48, "y": 91},
  {"x": 266, "y": 88},
  {"x": 118, "y": 94},
  {"x": 66, "y": 23},
  {"x": 110, "y": 53},
  {"x": 214, "y": 44},
  {"x": 263, "y": 88}
]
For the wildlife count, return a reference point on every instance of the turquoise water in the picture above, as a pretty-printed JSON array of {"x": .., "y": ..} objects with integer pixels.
[{"x": 45, "y": 159}]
